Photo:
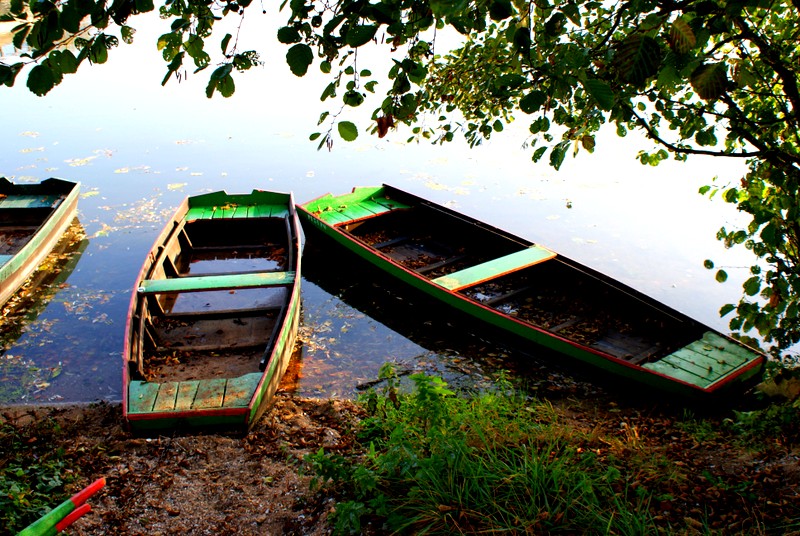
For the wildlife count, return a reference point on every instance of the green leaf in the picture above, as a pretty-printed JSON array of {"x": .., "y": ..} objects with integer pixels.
[
  {"x": 681, "y": 37},
  {"x": 288, "y": 35},
  {"x": 726, "y": 309},
  {"x": 710, "y": 81},
  {"x": 222, "y": 81},
  {"x": 600, "y": 92},
  {"x": 637, "y": 58},
  {"x": 63, "y": 61},
  {"x": 99, "y": 51},
  {"x": 314, "y": 136},
  {"x": 325, "y": 67},
  {"x": 347, "y": 131},
  {"x": 721, "y": 276},
  {"x": 752, "y": 286},
  {"x": 533, "y": 101},
  {"x": 70, "y": 19},
  {"x": 144, "y": 6},
  {"x": 299, "y": 57},
  {"x": 360, "y": 35},
  {"x": 41, "y": 80},
  {"x": 126, "y": 32},
  {"x": 353, "y": 98},
  {"x": 447, "y": 8},
  {"x": 708, "y": 264},
  {"x": 225, "y": 42}
]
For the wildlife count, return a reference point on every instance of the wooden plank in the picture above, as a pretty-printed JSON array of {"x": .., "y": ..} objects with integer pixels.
[
  {"x": 30, "y": 201},
  {"x": 698, "y": 364},
  {"x": 356, "y": 212},
  {"x": 332, "y": 217},
  {"x": 714, "y": 353},
  {"x": 165, "y": 400},
  {"x": 279, "y": 211},
  {"x": 494, "y": 268},
  {"x": 672, "y": 371},
  {"x": 390, "y": 204},
  {"x": 216, "y": 282},
  {"x": 186, "y": 394},
  {"x": 210, "y": 394},
  {"x": 241, "y": 211},
  {"x": 743, "y": 354},
  {"x": 239, "y": 391},
  {"x": 225, "y": 211},
  {"x": 196, "y": 213},
  {"x": 141, "y": 396}
]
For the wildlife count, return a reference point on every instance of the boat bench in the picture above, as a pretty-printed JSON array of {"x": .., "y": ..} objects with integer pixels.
[
  {"x": 361, "y": 210},
  {"x": 149, "y": 397},
  {"x": 703, "y": 361},
  {"x": 208, "y": 212},
  {"x": 496, "y": 267},
  {"x": 30, "y": 201},
  {"x": 202, "y": 283}
]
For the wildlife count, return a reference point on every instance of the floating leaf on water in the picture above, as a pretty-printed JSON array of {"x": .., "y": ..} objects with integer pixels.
[
  {"x": 29, "y": 134},
  {"x": 176, "y": 185},
  {"x": 91, "y": 193},
  {"x": 196, "y": 173},
  {"x": 122, "y": 170},
  {"x": 435, "y": 185},
  {"x": 182, "y": 168},
  {"x": 32, "y": 150},
  {"x": 78, "y": 162}
]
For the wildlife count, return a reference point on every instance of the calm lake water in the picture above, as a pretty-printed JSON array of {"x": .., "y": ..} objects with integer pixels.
[{"x": 138, "y": 149}]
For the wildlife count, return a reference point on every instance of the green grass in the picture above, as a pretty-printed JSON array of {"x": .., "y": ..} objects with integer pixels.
[{"x": 441, "y": 464}]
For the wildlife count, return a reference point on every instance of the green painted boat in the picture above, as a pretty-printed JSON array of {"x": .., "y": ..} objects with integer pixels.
[
  {"x": 33, "y": 218},
  {"x": 532, "y": 293},
  {"x": 214, "y": 314}
]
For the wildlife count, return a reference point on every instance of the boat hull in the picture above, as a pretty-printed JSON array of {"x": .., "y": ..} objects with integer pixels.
[
  {"x": 214, "y": 315},
  {"x": 341, "y": 217},
  {"x": 33, "y": 218}
]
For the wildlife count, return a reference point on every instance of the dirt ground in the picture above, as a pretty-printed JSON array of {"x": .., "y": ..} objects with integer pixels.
[
  {"x": 219, "y": 484},
  {"x": 203, "y": 484}
]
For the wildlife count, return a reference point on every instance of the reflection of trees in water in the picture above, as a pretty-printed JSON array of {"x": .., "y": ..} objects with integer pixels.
[{"x": 19, "y": 316}]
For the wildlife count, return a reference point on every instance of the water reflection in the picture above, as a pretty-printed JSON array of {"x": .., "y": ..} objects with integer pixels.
[{"x": 20, "y": 325}]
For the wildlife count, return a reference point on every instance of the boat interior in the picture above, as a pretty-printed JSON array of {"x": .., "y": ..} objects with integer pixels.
[
  {"x": 526, "y": 282},
  {"x": 207, "y": 309},
  {"x": 19, "y": 222}
]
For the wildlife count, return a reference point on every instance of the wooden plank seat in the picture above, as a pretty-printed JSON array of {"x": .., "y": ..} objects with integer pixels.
[
  {"x": 704, "y": 361},
  {"x": 216, "y": 282},
  {"x": 496, "y": 267},
  {"x": 359, "y": 211},
  {"x": 148, "y": 397},
  {"x": 208, "y": 212},
  {"x": 30, "y": 201}
]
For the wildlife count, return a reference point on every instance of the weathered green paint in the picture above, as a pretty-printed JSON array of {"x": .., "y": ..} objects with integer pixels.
[
  {"x": 167, "y": 393},
  {"x": 216, "y": 282},
  {"x": 239, "y": 391},
  {"x": 186, "y": 394},
  {"x": 141, "y": 396},
  {"x": 30, "y": 201},
  {"x": 495, "y": 267},
  {"x": 361, "y": 203}
]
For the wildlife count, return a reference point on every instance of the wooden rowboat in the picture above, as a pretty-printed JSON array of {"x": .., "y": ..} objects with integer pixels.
[
  {"x": 531, "y": 292},
  {"x": 33, "y": 217},
  {"x": 214, "y": 314}
]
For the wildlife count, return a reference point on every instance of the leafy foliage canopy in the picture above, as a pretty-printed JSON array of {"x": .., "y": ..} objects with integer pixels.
[{"x": 712, "y": 77}]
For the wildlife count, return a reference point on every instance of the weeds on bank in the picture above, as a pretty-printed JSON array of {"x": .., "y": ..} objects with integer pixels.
[
  {"x": 33, "y": 475},
  {"x": 441, "y": 464}
]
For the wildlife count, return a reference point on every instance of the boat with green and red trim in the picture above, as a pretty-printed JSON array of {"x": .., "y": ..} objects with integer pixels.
[
  {"x": 33, "y": 218},
  {"x": 531, "y": 292},
  {"x": 214, "y": 314}
]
